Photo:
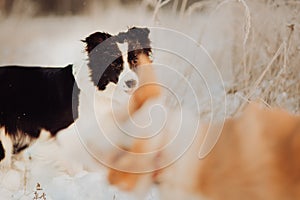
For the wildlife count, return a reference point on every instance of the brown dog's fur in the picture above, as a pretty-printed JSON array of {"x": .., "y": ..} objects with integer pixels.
[
  {"x": 148, "y": 88},
  {"x": 256, "y": 157}
]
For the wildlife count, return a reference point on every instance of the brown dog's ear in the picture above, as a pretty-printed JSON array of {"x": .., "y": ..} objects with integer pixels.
[{"x": 94, "y": 39}]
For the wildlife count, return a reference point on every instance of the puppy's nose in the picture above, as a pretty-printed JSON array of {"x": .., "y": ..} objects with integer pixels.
[{"x": 131, "y": 83}]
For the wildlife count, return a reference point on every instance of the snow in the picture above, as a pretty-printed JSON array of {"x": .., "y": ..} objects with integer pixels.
[{"x": 56, "y": 178}]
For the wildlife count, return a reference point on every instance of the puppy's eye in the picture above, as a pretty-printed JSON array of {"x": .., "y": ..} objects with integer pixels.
[{"x": 134, "y": 61}]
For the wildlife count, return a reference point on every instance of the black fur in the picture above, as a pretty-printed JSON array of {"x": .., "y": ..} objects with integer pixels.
[
  {"x": 35, "y": 98},
  {"x": 2, "y": 151},
  {"x": 105, "y": 61}
]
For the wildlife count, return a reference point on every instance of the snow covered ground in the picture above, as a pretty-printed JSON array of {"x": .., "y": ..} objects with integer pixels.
[{"x": 233, "y": 49}]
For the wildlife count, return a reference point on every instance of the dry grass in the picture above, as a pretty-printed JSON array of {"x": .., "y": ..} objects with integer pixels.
[
  {"x": 265, "y": 61},
  {"x": 39, "y": 194},
  {"x": 266, "y": 66},
  {"x": 260, "y": 58}
]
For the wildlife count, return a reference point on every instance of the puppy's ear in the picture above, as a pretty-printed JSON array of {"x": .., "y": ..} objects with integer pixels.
[
  {"x": 94, "y": 39},
  {"x": 139, "y": 37},
  {"x": 137, "y": 31},
  {"x": 141, "y": 34},
  {"x": 136, "y": 34}
]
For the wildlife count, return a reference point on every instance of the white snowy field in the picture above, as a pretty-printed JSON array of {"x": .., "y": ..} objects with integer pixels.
[{"x": 212, "y": 57}]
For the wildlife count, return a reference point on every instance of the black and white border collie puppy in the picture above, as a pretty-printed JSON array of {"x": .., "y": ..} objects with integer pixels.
[
  {"x": 115, "y": 63},
  {"x": 37, "y": 99},
  {"x": 114, "y": 84},
  {"x": 34, "y": 99}
]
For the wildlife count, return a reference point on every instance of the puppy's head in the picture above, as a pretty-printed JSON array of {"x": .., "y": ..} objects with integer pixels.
[{"x": 114, "y": 59}]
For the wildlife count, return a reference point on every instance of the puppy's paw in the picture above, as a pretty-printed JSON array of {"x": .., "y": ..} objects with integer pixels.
[
  {"x": 5, "y": 163},
  {"x": 6, "y": 147}
]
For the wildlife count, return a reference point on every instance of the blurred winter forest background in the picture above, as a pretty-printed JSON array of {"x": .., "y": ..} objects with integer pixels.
[
  {"x": 71, "y": 7},
  {"x": 255, "y": 44}
]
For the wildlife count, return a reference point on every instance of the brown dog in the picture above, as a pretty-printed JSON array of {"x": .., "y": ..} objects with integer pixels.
[
  {"x": 148, "y": 88},
  {"x": 256, "y": 157}
]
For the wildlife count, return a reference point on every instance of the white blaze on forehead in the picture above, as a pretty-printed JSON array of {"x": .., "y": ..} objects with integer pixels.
[
  {"x": 123, "y": 47},
  {"x": 127, "y": 74}
]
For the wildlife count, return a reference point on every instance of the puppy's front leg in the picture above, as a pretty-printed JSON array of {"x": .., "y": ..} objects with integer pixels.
[{"x": 5, "y": 150}]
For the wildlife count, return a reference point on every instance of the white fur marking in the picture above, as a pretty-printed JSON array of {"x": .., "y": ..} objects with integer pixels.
[
  {"x": 8, "y": 147},
  {"x": 127, "y": 74}
]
